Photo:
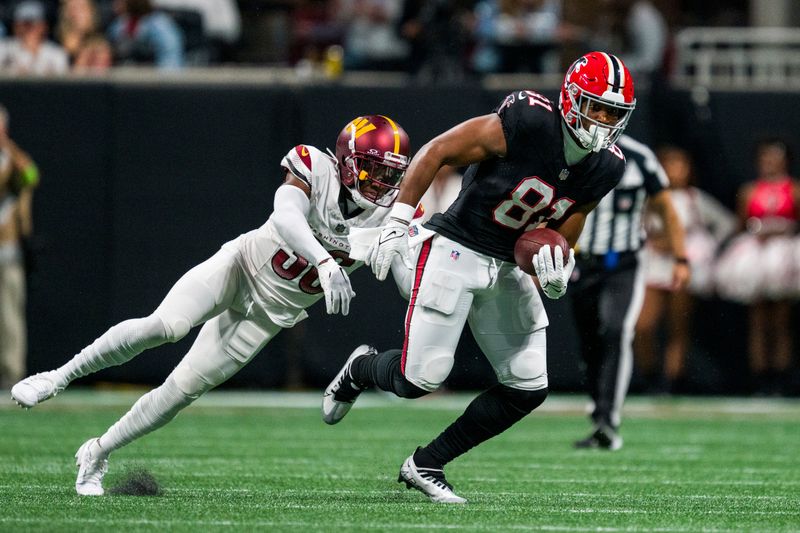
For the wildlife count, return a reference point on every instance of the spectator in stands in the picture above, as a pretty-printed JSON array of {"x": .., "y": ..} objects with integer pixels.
[
  {"x": 315, "y": 27},
  {"x": 371, "y": 40},
  {"x": 520, "y": 35},
  {"x": 221, "y": 22},
  {"x": 18, "y": 177},
  {"x": 706, "y": 224},
  {"x": 94, "y": 56},
  {"x": 29, "y": 51},
  {"x": 77, "y": 19},
  {"x": 759, "y": 267},
  {"x": 438, "y": 33},
  {"x": 639, "y": 30},
  {"x": 141, "y": 35}
]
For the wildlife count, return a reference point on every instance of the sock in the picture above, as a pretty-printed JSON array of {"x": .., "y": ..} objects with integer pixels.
[
  {"x": 116, "y": 346},
  {"x": 488, "y": 415},
  {"x": 382, "y": 370},
  {"x": 149, "y": 413}
]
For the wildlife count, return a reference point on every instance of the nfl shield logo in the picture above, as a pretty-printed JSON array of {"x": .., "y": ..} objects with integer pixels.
[
  {"x": 413, "y": 231},
  {"x": 454, "y": 255}
]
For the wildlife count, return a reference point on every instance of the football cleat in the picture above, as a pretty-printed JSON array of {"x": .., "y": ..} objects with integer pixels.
[
  {"x": 35, "y": 389},
  {"x": 429, "y": 481},
  {"x": 91, "y": 469},
  {"x": 342, "y": 393},
  {"x": 603, "y": 437}
]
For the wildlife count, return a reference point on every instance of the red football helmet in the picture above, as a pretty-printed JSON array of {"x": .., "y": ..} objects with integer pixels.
[
  {"x": 597, "y": 81},
  {"x": 373, "y": 154}
]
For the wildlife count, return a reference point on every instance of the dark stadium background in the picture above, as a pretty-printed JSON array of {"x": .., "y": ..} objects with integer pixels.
[{"x": 141, "y": 180}]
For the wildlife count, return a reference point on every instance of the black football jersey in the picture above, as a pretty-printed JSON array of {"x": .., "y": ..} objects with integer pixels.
[{"x": 502, "y": 197}]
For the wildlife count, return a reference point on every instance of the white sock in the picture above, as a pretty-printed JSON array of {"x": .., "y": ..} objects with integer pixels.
[
  {"x": 149, "y": 413},
  {"x": 118, "y": 345}
]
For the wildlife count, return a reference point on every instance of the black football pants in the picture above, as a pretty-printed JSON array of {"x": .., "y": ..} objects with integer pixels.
[{"x": 606, "y": 301}]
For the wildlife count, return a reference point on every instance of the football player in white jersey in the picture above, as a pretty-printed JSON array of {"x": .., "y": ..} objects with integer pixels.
[{"x": 254, "y": 286}]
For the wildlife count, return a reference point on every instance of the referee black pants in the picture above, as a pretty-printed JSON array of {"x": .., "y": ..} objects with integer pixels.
[{"x": 606, "y": 300}]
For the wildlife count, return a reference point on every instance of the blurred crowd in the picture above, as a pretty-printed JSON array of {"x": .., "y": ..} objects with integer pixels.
[{"x": 436, "y": 40}]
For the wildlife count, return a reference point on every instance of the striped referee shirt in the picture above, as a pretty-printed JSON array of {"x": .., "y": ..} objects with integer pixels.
[{"x": 615, "y": 225}]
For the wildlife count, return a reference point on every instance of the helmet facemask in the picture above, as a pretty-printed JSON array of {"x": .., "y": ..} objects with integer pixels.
[
  {"x": 592, "y": 133},
  {"x": 375, "y": 180}
]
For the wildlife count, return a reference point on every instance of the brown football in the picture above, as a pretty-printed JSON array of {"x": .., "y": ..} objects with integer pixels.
[{"x": 529, "y": 243}]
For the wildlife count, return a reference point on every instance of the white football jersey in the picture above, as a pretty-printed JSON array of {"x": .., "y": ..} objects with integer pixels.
[{"x": 283, "y": 283}]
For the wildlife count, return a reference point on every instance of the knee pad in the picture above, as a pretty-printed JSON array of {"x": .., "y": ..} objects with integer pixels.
[
  {"x": 176, "y": 327},
  {"x": 526, "y": 370},
  {"x": 431, "y": 372},
  {"x": 189, "y": 381},
  {"x": 524, "y": 401}
]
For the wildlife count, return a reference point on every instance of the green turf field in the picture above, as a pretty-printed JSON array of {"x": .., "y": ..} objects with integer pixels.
[{"x": 267, "y": 462}]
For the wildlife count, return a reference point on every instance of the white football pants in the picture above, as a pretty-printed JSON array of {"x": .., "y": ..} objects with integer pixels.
[
  {"x": 211, "y": 292},
  {"x": 453, "y": 285}
]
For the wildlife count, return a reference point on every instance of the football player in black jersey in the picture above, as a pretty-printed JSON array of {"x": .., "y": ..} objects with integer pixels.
[{"x": 531, "y": 162}]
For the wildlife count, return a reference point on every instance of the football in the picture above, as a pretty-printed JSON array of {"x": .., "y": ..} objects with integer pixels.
[{"x": 529, "y": 243}]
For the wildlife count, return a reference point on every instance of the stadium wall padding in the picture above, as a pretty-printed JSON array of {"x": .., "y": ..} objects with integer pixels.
[{"x": 141, "y": 181}]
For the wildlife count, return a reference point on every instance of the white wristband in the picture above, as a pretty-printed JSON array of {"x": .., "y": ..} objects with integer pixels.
[{"x": 402, "y": 212}]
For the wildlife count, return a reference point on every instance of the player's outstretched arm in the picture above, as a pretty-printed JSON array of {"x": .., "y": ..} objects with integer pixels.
[
  {"x": 290, "y": 217},
  {"x": 469, "y": 142}
]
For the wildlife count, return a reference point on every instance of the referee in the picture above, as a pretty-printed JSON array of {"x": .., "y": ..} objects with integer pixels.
[{"x": 607, "y": 287}]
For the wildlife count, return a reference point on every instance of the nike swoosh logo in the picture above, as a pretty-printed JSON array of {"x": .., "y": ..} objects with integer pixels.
[
  {"x": 303, "y": 151},
  {"x": 393, "y": 235}
]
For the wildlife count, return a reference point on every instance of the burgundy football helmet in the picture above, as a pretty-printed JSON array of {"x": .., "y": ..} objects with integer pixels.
[
  {"x": 597, "y": 81},
  {"x": 373, "y": 154}
]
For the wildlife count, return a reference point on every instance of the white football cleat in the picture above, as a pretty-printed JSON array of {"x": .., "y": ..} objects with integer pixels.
[
  {"x": 429, "y": 481},
  {"x": 35, "y": 389},
  {"x": 91, "y": 469},
  {"x": 342, "y": 391}
]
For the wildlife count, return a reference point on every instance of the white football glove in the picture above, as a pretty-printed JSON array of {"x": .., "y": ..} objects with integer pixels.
[
  {"x": 553, "y": 274},
  {"x": 336, "y": 286},
  {"x": 392, "y": 240}
]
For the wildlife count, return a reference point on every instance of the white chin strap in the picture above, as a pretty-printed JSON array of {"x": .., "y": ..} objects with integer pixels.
[
  {"x": 594, "y": 138},
  {"x": 360, "y": 201}
]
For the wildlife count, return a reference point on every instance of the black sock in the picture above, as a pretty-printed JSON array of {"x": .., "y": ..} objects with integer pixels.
[
  {"x": 491, "y": 413},
  {"x": 382, "y": 370}
]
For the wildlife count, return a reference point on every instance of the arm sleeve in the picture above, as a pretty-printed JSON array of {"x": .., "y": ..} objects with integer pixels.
[{"x": 290, "y": 218}]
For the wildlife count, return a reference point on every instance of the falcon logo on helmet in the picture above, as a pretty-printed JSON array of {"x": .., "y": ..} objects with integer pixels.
[
  {"x": 597, "y": 83},
  {"x": 372, "y": 153}
]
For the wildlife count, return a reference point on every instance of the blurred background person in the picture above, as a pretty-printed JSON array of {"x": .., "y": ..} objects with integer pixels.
[
  {"x": 316, "y": 30},
  {"x": 706, "y": 223},
  {"x": 520, "y": 36},
  {"x": 221, "y": 24},
  {"x": 638, "y": 30},
  {"x": 141, "y": 35},
  {"x": 438, "y": 33},
  {"x": 29, "y": 51},
  {"x": 18, "y": 177},
  {"x": 94, "y": 56},
  {"x": 371, "y": 40},
  {"x": 77, "y": 20},
  {"x": 759, "y": 267},
  {"x": 607, "y": 288}
]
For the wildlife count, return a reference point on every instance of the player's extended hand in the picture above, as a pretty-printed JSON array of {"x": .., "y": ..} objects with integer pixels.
[
  {"x": 392, "y": 240},
  {"x": 553, "y": 274},
  {"x": 336, "y": 286}
]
